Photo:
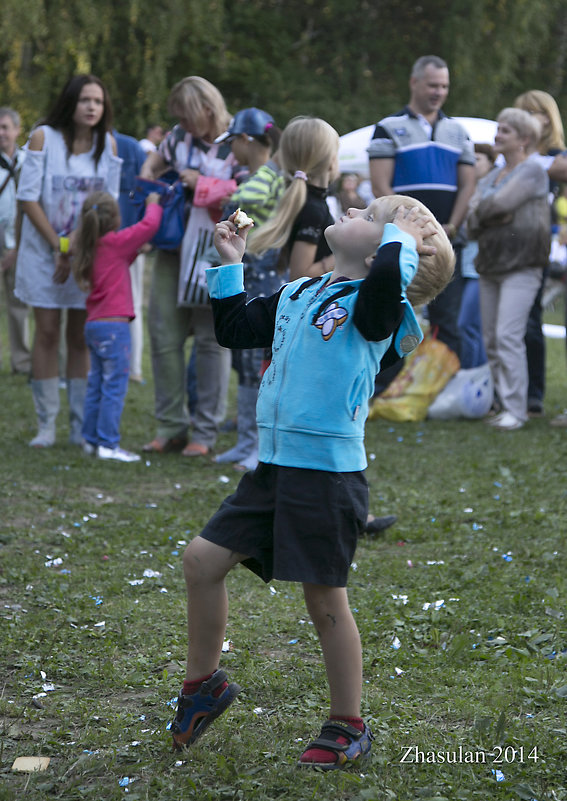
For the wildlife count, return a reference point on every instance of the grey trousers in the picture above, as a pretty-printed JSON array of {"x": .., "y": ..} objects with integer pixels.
[
  {"x": 505, "y": 303},
  {"x": 169, "y": 326},
  {"x": 137, "y": 324}
]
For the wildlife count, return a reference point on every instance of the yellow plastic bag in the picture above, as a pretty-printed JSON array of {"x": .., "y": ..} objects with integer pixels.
[{"x": 418, "y": 383}]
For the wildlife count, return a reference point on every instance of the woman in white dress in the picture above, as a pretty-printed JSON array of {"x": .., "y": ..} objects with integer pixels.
[{"x": 69, "y": 156}]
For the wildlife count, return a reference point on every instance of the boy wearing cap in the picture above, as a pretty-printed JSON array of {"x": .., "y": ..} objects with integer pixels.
[{"x": 253, "y": 138}]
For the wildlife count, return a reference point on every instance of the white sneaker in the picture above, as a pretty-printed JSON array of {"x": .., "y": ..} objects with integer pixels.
[
  {"x": 117, "y": 454},
  {"x": 506, "y": 422},
  {"x": 494, "y": 419}
]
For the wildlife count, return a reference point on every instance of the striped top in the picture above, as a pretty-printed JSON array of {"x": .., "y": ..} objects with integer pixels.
[
  {"x": 259, "y": 194},
  {"x": 426, "y": 163}
]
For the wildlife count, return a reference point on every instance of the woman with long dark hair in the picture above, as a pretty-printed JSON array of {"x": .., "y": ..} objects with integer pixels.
[{"x": 70, "y": 155}]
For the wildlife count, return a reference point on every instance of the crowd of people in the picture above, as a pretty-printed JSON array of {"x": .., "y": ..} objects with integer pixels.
[
  {"x": 418, "y": 152},
  {"x": 463, "y": 230},
  {"x": 492, "y": 309}
]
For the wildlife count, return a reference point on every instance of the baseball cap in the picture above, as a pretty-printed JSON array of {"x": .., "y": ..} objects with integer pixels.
[{"x": 251, "y": 121}]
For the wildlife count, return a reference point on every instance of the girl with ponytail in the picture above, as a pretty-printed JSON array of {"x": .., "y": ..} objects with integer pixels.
[
  {"x": 101, "y": 266},
  {"x": 308, "y": 154}
]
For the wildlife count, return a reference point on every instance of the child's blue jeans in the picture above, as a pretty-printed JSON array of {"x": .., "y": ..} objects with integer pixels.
[{"x": 109, "y": 346}]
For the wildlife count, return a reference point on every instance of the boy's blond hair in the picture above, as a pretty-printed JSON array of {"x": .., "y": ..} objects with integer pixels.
[{"x": 433, "y": 271}]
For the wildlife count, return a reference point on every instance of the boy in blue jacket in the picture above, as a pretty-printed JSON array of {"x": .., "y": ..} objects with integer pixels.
[{"x": 297, "y": 517}]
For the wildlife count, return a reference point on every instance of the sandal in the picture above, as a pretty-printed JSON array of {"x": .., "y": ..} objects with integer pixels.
[
  {"x": 165, "y": 445},
  {"x": 196, "y": 712},
  {"x": 355, "y": 751},
  {"x": 195, "y": 449}
]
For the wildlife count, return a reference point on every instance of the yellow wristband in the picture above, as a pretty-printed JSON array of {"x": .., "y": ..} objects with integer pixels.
[{"x": 63, "y": 244}]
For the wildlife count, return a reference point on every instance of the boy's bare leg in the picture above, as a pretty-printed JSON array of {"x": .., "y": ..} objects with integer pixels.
[
  {"x": 205, "y": 566},
  {"x": 340, "y": 642}
]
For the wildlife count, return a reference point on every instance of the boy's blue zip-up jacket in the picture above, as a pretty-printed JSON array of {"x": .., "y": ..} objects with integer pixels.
[{"x": 328, "y": 343}]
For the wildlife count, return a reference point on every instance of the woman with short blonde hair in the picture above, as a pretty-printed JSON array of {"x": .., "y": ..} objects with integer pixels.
[
  {"x": 510, "y": 218},
  {"x": 179, "y": 303}
]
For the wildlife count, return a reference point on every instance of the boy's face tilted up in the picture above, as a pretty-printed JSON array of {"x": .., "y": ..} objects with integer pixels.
[{"x": 358, "y": 233}]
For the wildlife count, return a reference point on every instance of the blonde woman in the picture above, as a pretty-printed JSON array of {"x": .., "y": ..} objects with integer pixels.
[
  {"x": 543, "y": 107},
  {"x": 510, "y": 219},
  {"x": 178, "y": 306},
  {"x": 545, "y": 110}
]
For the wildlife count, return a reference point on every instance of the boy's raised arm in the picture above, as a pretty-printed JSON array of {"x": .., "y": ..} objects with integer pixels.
[
  {"x": 230, "y": 241},
  {"x": 238, "y": 324}
]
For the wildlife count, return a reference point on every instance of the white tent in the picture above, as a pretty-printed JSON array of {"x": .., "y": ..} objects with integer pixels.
[{"x": 352, "y": 149}]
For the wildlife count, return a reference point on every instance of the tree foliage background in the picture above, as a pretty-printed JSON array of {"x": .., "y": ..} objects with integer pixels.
[{"x": 345, "y": 60}]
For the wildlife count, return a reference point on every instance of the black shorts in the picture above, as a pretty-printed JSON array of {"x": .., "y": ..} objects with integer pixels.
[{"x": 294, "y": 524}]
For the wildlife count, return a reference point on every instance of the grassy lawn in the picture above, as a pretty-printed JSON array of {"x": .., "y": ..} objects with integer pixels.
[{"x": 460, "y": 606}]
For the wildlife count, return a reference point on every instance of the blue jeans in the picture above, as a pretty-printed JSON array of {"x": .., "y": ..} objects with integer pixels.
[
  {"x": 109, "y": 346},
  {"x": 470, "y": 326}
]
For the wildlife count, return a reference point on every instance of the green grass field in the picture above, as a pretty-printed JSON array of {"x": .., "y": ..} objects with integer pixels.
[{"x": 470, "y": 585}]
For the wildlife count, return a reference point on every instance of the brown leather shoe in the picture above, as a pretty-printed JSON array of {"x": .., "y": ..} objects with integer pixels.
[{"x": 165, "y": 445}]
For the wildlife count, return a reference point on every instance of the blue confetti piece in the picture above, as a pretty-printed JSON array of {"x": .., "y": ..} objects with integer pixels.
[
  {"x": 292, "y": 642},
  {"x": 506, "y": 557},
  {"x": 175, "y": 553},
  {"x": 498, "y": 775},
  {"x": 400, "y": 439},
  {"x": 527, "y": 579},
  {"x": 97, "y": 599},
  {"x": 496, "y": 497},
  {"x": 497, "y": 484},
  {"x": 124, "y": 782}
]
